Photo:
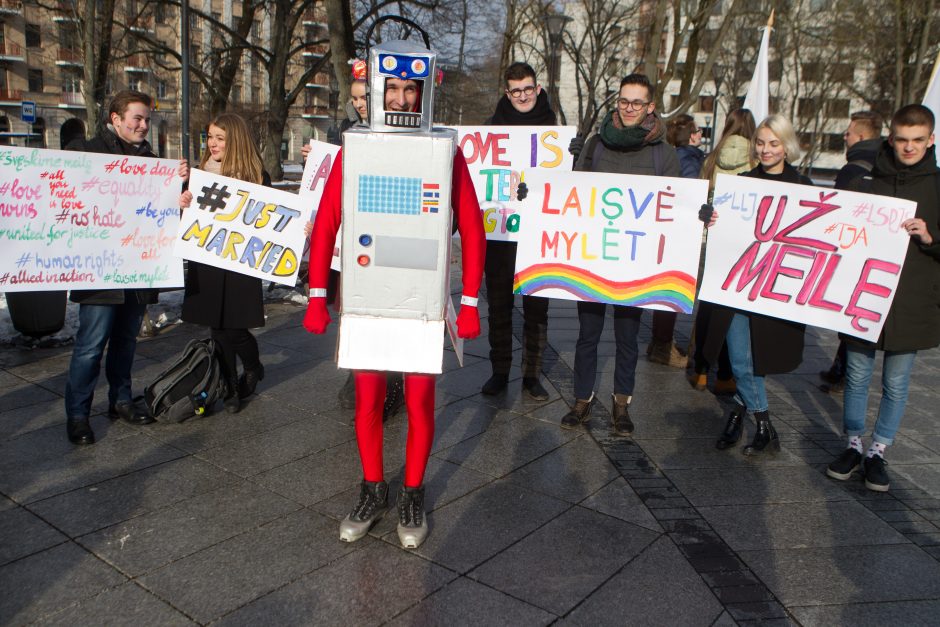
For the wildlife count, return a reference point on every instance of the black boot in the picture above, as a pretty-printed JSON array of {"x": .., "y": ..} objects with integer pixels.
[
  {"x": 394, "y": 395},
  {"x": 765, "y": 438},
  {"x": 249, "y": 381},
  {"x": 79, "y": 431},
  {"x": 231, "y": 401},
  {"x": 733, "y": 429}
]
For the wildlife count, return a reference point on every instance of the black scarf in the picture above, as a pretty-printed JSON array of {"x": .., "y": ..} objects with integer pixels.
[{"x": 540, "y": 115}]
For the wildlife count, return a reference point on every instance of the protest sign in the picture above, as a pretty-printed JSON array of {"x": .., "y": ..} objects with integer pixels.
[
  {"x": 824, "y": 257},
  {"x": 316, "y": 170},
  {"x": 611, "y": 238},
  {"x": 500, "y": 157},
  {"x": 75, "y": 220},
  {"x": 243, "y": 227}
]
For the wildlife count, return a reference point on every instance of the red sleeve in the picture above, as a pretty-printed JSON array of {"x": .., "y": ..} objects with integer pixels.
[
  {"x": 469, "y": 224},
  {"x": 326, "y": 225}
]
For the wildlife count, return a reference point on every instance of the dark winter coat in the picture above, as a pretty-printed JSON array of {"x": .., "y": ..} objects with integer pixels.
[
  {"x": 861, "y": 160},
  {"x": 913, "y": 322},
  {"x": 690, "y": 161},
  {"x": 597, "y": 157},
  {"x": 106, "y": 142},
  {"x": 776, "y": 345},
  {"x": 223, "y": 299}
]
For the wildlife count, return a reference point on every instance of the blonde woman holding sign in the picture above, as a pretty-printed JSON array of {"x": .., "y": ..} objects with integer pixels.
[{"x": 227, "y": 302}]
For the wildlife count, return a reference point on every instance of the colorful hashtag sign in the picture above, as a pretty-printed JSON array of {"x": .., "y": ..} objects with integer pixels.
[{"x": 74, "y": 220}]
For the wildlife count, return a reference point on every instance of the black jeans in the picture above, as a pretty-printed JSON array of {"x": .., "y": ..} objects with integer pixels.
[
  {"x": 626, "y": 326},
  {"x": 500, "y": 267},
  {"x": 234, "y": 343}
]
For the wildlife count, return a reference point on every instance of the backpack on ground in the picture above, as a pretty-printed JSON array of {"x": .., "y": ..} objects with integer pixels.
[{"x": 189, "y": 387}]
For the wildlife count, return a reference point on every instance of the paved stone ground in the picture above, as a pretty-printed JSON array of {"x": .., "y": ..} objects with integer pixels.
[{"x": 233, "y": 519}]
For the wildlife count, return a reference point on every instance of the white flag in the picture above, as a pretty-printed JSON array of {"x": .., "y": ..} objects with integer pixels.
[
  {"x": 932, "y": 95},
  {"x": 758, "y": 92}
]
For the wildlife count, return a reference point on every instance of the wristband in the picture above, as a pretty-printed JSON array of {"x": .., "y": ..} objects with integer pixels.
[
  {"x": 470, "y": 301},
  {"x": 317, "y": 292}
]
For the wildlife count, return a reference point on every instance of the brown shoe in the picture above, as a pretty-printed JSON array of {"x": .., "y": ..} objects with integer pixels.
[
  {"x": 698, "y": 381},
  {"x": 579, "y": 415},
  {"x": 620, "y": 415},
  {"x": 666, "y": 353}
]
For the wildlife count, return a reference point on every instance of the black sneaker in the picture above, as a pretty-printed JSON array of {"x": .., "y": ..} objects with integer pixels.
[
  {"x": 876, "y": 475},
  {"x": 534, "y": 388},
  {"x": 495, "y": 384},
  {"x": 579, "y": 414},
  {"x": 843, "y": 466}
]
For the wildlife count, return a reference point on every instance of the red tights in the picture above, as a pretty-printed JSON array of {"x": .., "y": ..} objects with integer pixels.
[{"x": 419, "y": 401}]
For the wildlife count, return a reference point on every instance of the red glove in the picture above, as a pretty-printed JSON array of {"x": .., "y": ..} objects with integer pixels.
[
  {"x": 468, "y": 322},
  {"x": 317, "y": 317}
]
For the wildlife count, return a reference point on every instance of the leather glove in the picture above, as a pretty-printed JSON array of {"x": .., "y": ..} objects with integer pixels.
[
  {"x": 522, "y": 191},
  {"x": 317, "y": 317},
  {"x": 576, "y": 145},
  {"x": 705, "y": 213},
  {"x": 468, "y": 322}
]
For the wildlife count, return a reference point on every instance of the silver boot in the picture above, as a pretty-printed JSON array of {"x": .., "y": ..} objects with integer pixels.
[
  {"x": 372, "y": 505},
  {"x": 412, "y": 523}
]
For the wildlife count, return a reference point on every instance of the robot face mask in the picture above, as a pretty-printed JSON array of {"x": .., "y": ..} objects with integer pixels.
[{"x": 401, "y": 87}]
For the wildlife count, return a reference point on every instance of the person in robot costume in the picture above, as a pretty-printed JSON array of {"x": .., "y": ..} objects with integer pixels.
[{"x": 398, "y": 103}]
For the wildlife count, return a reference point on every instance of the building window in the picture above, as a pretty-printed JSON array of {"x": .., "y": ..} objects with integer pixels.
[
  {"x": 34, "y": 77},
  {"x": 835, "y": 142},
  {"x": 33, "y": 36},
  {"x": 159, "y": 12},
  {"x": 706, "y": 104},
  {"x": 806, "y": 107},
  {"x": 161, "y": 89},
  {"x": 38, "y": 137},
  {"x": 71, "y": 80},
  {"x": 133, "y": 81},
  {"x": 837, "y": 108}
]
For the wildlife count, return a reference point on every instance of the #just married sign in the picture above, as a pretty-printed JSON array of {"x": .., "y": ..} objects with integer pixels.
[
  {"x": 823, "y": 257},
  {"x": 611, "y": 238},
  {"x": 76, "y": 220}
]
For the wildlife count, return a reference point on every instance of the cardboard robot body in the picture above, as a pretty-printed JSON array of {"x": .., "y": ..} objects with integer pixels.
[{"x": 396, "y": 239}]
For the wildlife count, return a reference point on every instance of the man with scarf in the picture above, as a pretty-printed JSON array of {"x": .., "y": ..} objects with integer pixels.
[
  {"x": 524, "y": 104},
  {"x": 631, "y": 140}
]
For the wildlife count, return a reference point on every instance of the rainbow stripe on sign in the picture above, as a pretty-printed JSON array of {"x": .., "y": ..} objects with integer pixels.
[
  {"x": 430, "y": 197},
  {"x": 673, "y": 290}
]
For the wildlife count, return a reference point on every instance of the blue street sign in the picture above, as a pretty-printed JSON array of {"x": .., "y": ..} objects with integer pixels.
[{"x": 28, "y": 112}]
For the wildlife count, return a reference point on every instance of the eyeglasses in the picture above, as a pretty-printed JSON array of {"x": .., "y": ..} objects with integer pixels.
[
  {"x": 528, "y": 90},
  {"x": 623, "y": 103}
]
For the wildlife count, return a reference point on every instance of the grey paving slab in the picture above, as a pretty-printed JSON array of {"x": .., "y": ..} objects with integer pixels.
[
  {"x": 228, "y": 575},
  {"x": 571, "y": 472},
  {"x": 799, "y": 525},
  {"x": 462, "y": 420},
  {"x": 126, "y": 605},
  {"x": 580, "y": 549},
  {"x": 757, "y": 484},
  {"x": 16, "y": 422},
  {"x": 869, "y": 614},
  {"x": 23, "y": 533},
  {"x": 677, "y": 453},
  {"x": 46, "y": 582},
  {"x": 658, "y": 587},
  {"x": 619, "y": 500},
  {"x": 924, "y": 476},
  {"x": 18, "y": 392},
  {"x": 507, "y": 446},
  {"x": 465, "y": 602},
  {"x": 133, "y": 494},
  {"x": 827, "y": 576},
  {"x": 366, "y": 587},
  {"x": 43, "y": 463},
  {"x": 472, "y": 529},
  {"x": 147, "y": 542}
]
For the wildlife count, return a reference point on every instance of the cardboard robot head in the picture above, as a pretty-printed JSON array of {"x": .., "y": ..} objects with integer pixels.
[{"x": 401, "y": 87}]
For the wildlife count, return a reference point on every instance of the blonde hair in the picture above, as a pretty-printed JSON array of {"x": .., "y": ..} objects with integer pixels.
[
  {"x": 782, "y": 130},
  {"x": 241, "y": 159}
]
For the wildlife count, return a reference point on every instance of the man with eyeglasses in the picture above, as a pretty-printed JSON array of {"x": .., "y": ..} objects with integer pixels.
[
  {"x": 630, "y": 140},
  {"x": 524, "y": 104}
]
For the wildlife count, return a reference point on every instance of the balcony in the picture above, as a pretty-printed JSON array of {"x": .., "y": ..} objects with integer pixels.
[
  {"x": 316, "y": 112},
  {"x": 314, "y": 18},
  {"x": 11, "y": 7},
  {"x": 65, "y": 12},
  {"x": 315, "y": 51},
  {"x": 137, "y": 63},
  {"x": 71, "y": 100},
  {"x": 317, "y": 86},
  {"x": 10, "y": 51},
  {"x": 66, "y": 56},
  {"x": 10, "y": 97},
  {"x": 143, "y": 24}
]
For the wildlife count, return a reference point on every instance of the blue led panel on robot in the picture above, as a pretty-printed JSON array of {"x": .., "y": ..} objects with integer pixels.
[
  {"x": 404, "y": 67},
  {"x": 412, "y": 253},
  {"x": 389, "y": 194}
]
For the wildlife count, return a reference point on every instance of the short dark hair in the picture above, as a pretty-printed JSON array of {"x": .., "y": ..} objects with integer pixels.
[
  {"x": 679, "y": 129},
  {"x": 642, "y": 80},
  {"x": 125, "y": 98},
  {"x": 870, "y": 123},
  {"x": 913, "y": 115},
  {"x": 519, "y": 71}
]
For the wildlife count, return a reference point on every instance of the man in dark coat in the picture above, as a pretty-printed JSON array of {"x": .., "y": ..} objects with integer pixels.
[
  {"x": 906, "y": 167},
  {"x": 109, "y": 317},
  {"x": 524, "y": 104},
  {"x": 862, "y": 143}
]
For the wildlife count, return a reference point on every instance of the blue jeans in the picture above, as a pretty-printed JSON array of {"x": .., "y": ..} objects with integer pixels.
[
  {"x": 895, "y": 379},
  {"x": 116, "y": 327},
  {"x": 751, "y": 391},
  {"x": 626, "y": 326}
]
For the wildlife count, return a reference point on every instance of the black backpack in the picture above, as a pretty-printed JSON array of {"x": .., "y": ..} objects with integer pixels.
[{"x": 189, "y": 387}]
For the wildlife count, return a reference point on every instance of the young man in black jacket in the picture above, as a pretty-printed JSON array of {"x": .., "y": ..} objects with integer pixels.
[{"x": 524, "y": 104}]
